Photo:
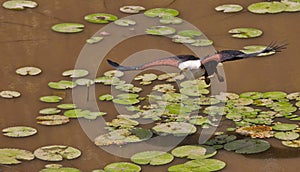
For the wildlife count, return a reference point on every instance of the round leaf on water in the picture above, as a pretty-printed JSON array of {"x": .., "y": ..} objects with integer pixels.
[
  {"x": 62, "y": 85},
  {"x": 68, "y": 27},
  {"x": 75, "y": 73},
  {"x": 170, "y": 20},
  {"x": 191, "y": 152},
  {"x": 160, "y": 30},
  {"x": 10, "y": 94},
  {"x": 196, "y": 82},
  {"x": 125, "y": 22},
  {"x": 220, "y": 140},
  {"x": 256, "y": 48},
  {"x": 60, "y": 169},
  {"x": 291, "y": 6},
  {"x": 84, "y": 82},
  {"x": 286, "y": 135},
  {"x": 285, "y": 127},
  {"x": 10, "y": 156},
  {"x": 122, "y": 123},
  {"x": 291, "y": 143},
  {"x": 100, "y": 18},
  {"x": 28, "y": 71},
  {"x": 132, "y": 9},
  {"x": 267, "y": 7},
  {"x": 183, "y": 39},
  {"x": 122, "y": 167},
  {"x": 247, "y": 146},
  {"x": 170, "y": 77},
  {"x": 194, "y": 91},
  {"x": 229, "y": 8},
  {"x": 226, "y": 96},
  {"x": 189, "y": 33},
  {"x": 207, "y": 101},
  {"x": 94, "y": 39},
  {"x": 152, "y": 158},
  {"x": 205, "y": 165},
  {"x": 148, "y": 77},
  {"x": 251, "y": 95},
  {"x": 106, "y": 97},
  {"x": 19, "y": 4},
  {"x": 163, "y": 88},
  {"x": 293, "y": 96},
  {"x": 56, "y": 153},
  {"x": 126, "y": 101},
  {"x": 19, "y": 131},
  {"x": 160, "y": 12},
  {"x": 114, "y": 73},
  {"x": 66, "y": 106},
  {"x": 215, "y": 110},
  {"x": 51, "y": 99},
  {"x": 256, "y": 131},
  {"x": 179, "y": 168},
  {"x": 245, "y": 32},
  {"x": 51, "y": 120},
  {"x": 240, "y": 102},
  {"x": 274, "y": 95},
  {"x": 202, "y": 42},
  {"x": 49, "y": 111},
  {"x": 174, "y": 128}
]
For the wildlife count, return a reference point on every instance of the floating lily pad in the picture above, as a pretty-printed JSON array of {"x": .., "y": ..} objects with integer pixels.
[
  {"x": 114, "y": 73},
  {"x": 285, "y": 127},
  {"x": 174, "y": 97},
  {"x": 19, "y": 4},
  {"x": 293, "y": 96},
  {"x": 122, "y": 167},
  {"x": 247, "y": 146},
  {"x": 19, "y": 131},
  {"x": 245, "y": 32},
  {"x": 125, "y": 22},
  {"x": 257, "y": 131},
  {"x": 263, "y": 102},
  {"x": 160, "y": 30},
  {"x": 291, "y": 143},
  {"x": 200, "y": 120},
  {"x": 194, "y": 91},
  {"x": 75, "y": 73},
  {"x": 196, "y": 82},
  {"x": 174, "y": 128},
  {"x": 132, "y": 9},
  {"x": 122, "y": 123},
  {"x": 49, "y": 111},
  {"x": 170, "y": 20},
  {"x": 160, "y": 12},
  {"x": 267, "y": 7},
  {"x": 51, "y": 99},
  {"x": 202, "y": 42},
  {"x": 183, "y": 39},
  {"x": 251, "y": 95},
  {"x": 146, "y": 78},
  {"x": 240, "y": 102},
  {"x": 94, "y": 39},
  {"x": 220, "y": 140},
  {"x": 291, "y": 6},
  {"x": 84, "y": 82},
  {"x": 215, "y": 110},
  {"x": 189, "y": 33},
  {"x": 152, "y": 158},
  {"x": 207, "y": 101},
  {"x": 274, "y": 95},
  {"x": 128, "y": 88},
  {"x": 286, "y": 135},
  {"x": 229, "y": 8},
  {"x": 62, "y": 85},
  {"x": 10, "y": 156},
  {"x": 28, "y": 71},
  {"x": 100, "y": 18},
  {"x": 52, "y": 120},
  {"x": 106, "y": 97},
  {"x": 56, "y": 153},
  {"x": 66, "y": 106},
  {"x": 192, "y": 152},
  {"x": 256, "y": 48},
  {"x": 123, "y": 136},
  {"x": 80, "y": 113},
  {"x": 203, "y": 165},
  {"x": 59, "y": 169},
  {"x": 10, "y": 94},
  {"x": 68, "y": 27},
  {"x": 106, "y": 80},
  {"x": 170, "y": 77},
  {"x": 126, "y": 99},
  {"x": 227, "y": 96},
  {"x": 164, "y": 88}
]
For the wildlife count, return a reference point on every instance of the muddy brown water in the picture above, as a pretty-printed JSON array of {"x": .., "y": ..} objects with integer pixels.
[{"x": 26, "y": 39}]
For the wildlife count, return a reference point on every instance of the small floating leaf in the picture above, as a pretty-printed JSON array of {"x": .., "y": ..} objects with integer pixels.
[
  {"x": 59, "y": 169},
  {"x": 189, "y": 33},
  {"x": 62, "y": 85},
  {"x": 56, "y": 153},
  {"x": 10, "y": 94},
  {"x": 291, "y": 143},
  {"x": 125, "y": 22},
  {"x": 68, "y": 27},
  {"x": 201, "y": 165},
  {"x": 146, "y": 78},
  {"x": 114, "y": 73},
  {"x": 28, "y": 71},
  {"x": 52, "y": 120},
  {"x": 174, "y": 128},
  {"x": 122, "y": 123},
  {"x": 183, "y": 39},
  {"x": 267, "y": 7},
  {"x": 194, "y": 91},
  {"x": 256, "y": 131},
  {"x": 256, "y": 48},
  {"x": 293, "y": 96},
  {"x": 10, "y": 156},
  {"x": 240, "y": 102},
  {"x": 170, "y": 20},
  {"x": 247, "y": 146},
  {"x": 132, "y": 9},
  {"x": 245, "y": 32},
  {"x": 202, "y": 42},
  {"x": 274, "y": 95},
  {"x": 100, "y": 18},
  {"x": 106, "y": 97},
  {"x": 84, "y": 82},
  {"x": 251, "y": 95},
  {"x": 66, "y": 106},
  {"x": 229, "y": 8},
  {"x": 19, "y": 131},
  {"x": 19, "y": 4},
  {"x": 160, "y": 12},
  {"x": 285, "y": 127},
  {"x": 192, "y": 152},
  {"x": 49, "y": 111},
  {"x": 94, "y": 39},
  {"x": 122, "y": 167},
  {"x": 170, "y": 77},
  {"x": 291, "y": 6},
  {"x": 286, "y": 135},
  {"x": 152, "y": 158},
  {"x": 75, "y": 73},
  {"x": 51, "y": 99},
  {"x": 160, "y": 30}
]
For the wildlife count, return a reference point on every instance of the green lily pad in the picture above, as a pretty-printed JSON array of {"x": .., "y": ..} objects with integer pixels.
[
  {"x": 203, "y": 165},
  {"x": 189, "y": 33},
  {"x": 106, "y": 80},
  {"x": 256, "y": 48},
  {"x": 199, "y": 120},
  {"x": 174, "y": 97},
  {"x": 122, "y": 167},
  {"x": 263, "y": 102},
  {"x": 51, "y": 120},
  {"x": 62, "y": 85},
  {"x": 291, "y": 143},
  {"x": 196, "y": 82},
  {"x": 220, "y": 140},
  {"x": 75, "y": 73},
  {"x": 274, "y": 95},
  {"x": 251, "y": 95},
  {"x": 256, "y": 131},
  {"x": 286, "y": 135},
  {"x": 192, "y": 152},
  {"x": 68, "y": 27},
  {"x": 66, "y": 106},
  {"x": 10, "y": 94},
  {"x": 100, "y": 18},
  {"x": 164, "y": 88},
  {"x": 114, "y": 73},
  {"x": 126, "y": 99},
  {"x": 94, "y": 39},
  {"x": 51, "y": 99},
  {"x": 49, "y": 111},
  {"x": 247, "y": 146},
  {"x": 291, "y": 6},
  {"x": 106, "y": 97},
  {"x": 152, "y": 158},
  {"x": 174, "y": 128},
  {"x": 194, "y": 91},
  {"x": 240, "y": 102},
  {"x": 10, "y": 156},
  {"x": 160, "y": 30},
  {"x": 28, "y": 70},
  {"x": 56, "y": 153},
  {"x": 132, "y": 9},
  {"x": 60, "y": 169},
  {"x": 146, "y": 78},
  {"x": 122, "y": 123},
  {"x": 170, "y": 20},
  {"x": 267, "y": 7},
  {"x": 285, "y": 127},
  {"x": 84, "y": 82},
  {"x": 226, "y": 96},
  {"x": 170, "y": 77},
  {"x": 207, "y": 101},
  {"x": 202, "y": 42},
  {"x": 229, "y": 8},
  {"x": 123, "y": 136},
  {"x": 19, "y": 131},
  {"x": 215, "y": 110},
  {"x": 160, "y": 12},
  {"x": 128, "y": 88},
  {"x": 80, "y": 113},
  {"x": 245, "y": 32},
  {"x": 19, "y": 4},
  {"x": 183, "y": 39},
  {"x": 125, "y": 22},
  {"x": 297, "y": 104},
  {"x": 294, "y": 96}
]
